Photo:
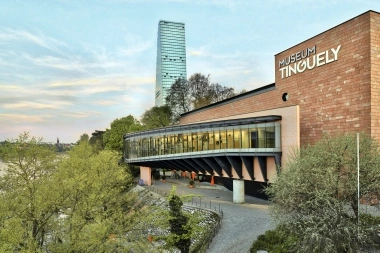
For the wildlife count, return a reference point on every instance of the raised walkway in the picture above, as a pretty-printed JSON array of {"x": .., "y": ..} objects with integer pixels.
[{"x": 241, "y": 224}]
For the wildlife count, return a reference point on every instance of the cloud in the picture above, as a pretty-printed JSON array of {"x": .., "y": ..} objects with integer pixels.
[
  {"x": 4, "y": 87},
  {"x": 105, "y": 102},
  {"x": 47, "y": 85},
  {"x": 103, "y": 84},
  {"x": 75, "y": 83},
  {"x": 73, "y": 63},
  {"x": 80, "y": 115},
  {"x": 35, "y": 105},
  {"x": 228, "y": 4},
  {"x": 90, "y": 61},
  {"x": 201, "y": 51},
  {"x": 240, "y": 70},
  {"x": 22, "y": 118},
  {"x": 135, "y": 49},
  {"x": 39, "y": 39},
  {"x": 102, "y": 89}
]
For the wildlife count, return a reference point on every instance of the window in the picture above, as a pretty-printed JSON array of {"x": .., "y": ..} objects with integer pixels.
[
  {"x": 237, "y": 138},
  {"x": 230, "y": 138},
  {"x": 245, "y": 138},
  {"x": 256, "y": 136}
]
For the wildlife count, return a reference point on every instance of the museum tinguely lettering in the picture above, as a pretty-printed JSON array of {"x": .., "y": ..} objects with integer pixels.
[{"x": 306, "y": 59}]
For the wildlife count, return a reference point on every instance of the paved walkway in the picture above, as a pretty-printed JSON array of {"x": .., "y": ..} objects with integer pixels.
[{"x": 241, "y": 224}]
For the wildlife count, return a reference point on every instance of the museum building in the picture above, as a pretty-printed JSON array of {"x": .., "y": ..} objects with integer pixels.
[{"x": 328, "y": 83}]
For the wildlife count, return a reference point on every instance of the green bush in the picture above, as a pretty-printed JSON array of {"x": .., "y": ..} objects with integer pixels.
[
  {"x": 275, "y": 241},
  {"x": 370, "y": 224},
  {"x": 369, "y": 220},
  {"x": 281, "y": 240}
]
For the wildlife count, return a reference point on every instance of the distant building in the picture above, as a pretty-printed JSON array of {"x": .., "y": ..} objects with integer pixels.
[
  {"x": 171, "y": 57},
  {"x": 59, "y": 146},
  {"x": 98, "y": 133}
]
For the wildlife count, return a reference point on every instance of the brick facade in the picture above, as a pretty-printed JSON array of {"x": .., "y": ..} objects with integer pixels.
[
  {"x": 340, "y": 96},
  {"x": 375, "y": 74}
]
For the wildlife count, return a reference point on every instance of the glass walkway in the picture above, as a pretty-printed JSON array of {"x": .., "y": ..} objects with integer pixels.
[{"x": 215, "y": 148}]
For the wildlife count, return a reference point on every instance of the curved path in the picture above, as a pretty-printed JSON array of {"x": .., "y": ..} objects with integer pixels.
[{"x": 241, "y": 223}]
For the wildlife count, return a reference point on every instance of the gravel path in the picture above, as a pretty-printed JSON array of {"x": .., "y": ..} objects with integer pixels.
[{"x": 241, "y": 224}]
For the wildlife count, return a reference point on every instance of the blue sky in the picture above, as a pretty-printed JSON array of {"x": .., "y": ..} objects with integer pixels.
[{"x": 72, "y": 67}]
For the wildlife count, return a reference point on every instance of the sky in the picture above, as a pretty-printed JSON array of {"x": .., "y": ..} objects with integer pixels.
[{"x": 69, "y": 67}]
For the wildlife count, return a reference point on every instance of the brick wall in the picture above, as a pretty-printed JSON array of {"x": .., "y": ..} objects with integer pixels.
[
  {"x": 375, "y": 74},
  {"x": 334, "y": 97}
]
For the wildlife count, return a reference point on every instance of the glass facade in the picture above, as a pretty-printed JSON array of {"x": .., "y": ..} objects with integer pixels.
[
  {"x": 263, "y": 137},
  {"x": 171, "y": 57}
]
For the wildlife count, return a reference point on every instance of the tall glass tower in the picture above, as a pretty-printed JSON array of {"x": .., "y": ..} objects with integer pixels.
[{"x": 171, "y": 57}]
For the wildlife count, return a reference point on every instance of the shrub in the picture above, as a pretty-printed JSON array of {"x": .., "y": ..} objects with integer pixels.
[
  {"x": 370, "y": 224},
  {"x": 275, "y": 241},
  {"x": 369, "y": 220}
]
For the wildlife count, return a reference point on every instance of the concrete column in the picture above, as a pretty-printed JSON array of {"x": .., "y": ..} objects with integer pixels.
[
  {"x": 238, "y": 191},
  {"x": 146, "y": 175}
]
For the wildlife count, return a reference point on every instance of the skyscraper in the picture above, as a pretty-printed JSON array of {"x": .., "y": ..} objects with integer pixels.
[{"x": 171, "y": 57}]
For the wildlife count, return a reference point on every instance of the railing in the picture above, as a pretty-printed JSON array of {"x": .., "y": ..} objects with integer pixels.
[
  {"x": 205, "y": 205},
  {"x": 195, "y": 202}
]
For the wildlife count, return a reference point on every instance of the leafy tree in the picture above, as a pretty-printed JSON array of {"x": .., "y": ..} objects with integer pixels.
[
  {"x": 29, "y": 197},
  {"x": 96, "y": 140},
  {"x": 220, "y": 92},
  {"x": 113, "y": 137},
  {"x": 94, "y": 211},
  {"x": 315, "y": 196},
  {"x": 200, "y": 90},
  {"x": 61, "y": 203},
  {"x": 83, "y": 137},
  {"x": 157, "y": 116},
  {"x": 179, "y": 99},
  {"x": 195, "y": 93}
]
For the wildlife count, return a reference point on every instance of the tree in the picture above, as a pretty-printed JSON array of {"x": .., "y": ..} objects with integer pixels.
[
  {"x": 94, "y": 212},
  {"x": 83, "y": 137},
  {"x": 220, "y": 92},
  {"x": 113, "y": 137},
  {"x": 96, "y": 140},
  {"x": 200, "y": 90},
  {"x": 50, "y": 203},
  {"x": 315, "y": 196},
  {"x": 178, "y": 98},
  {"x": 28, "y": 194},
  {"x": 180, "y": 231},
  {"x": 195, "y": 93},
  {"x": 179, "y": 223},
  {"x": 157, "y": 116}
]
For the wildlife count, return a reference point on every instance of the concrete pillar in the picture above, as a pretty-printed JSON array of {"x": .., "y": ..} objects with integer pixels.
[
  {"x": 238, "y": 191},
  {"x": 146, "y": 175}
]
